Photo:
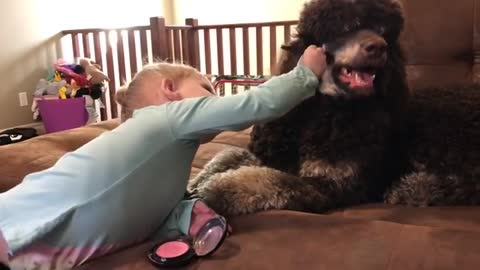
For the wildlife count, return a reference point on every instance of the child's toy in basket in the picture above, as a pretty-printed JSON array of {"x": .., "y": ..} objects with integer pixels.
[
  {"x": 45, "y": 87},
  {"x": 68, "y": 73},
  {"x": 63, "y": 93},
  {"x": 94, "y": 71}
]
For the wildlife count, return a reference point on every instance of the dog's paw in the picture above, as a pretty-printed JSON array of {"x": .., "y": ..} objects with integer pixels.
[
  {"x": 245, "y": 191},
  {"x": 423, "y": 189},
  {"x": 229, "y": 159}
]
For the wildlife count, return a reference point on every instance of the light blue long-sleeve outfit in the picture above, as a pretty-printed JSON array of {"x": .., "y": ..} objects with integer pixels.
[{"x": 124, "y": 185}]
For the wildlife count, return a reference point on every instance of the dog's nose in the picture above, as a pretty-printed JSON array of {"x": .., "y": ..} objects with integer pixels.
[{"x": 374, "y": 47}]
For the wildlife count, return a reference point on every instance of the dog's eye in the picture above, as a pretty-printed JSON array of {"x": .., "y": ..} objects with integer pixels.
[
  {"x": 380, "y": 30},
  {"x": 357, "y": 22},
  {"x": 352, "y": 26}
]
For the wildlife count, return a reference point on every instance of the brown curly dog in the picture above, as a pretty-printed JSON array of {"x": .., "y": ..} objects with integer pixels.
[{"x": 363, "y": 138}]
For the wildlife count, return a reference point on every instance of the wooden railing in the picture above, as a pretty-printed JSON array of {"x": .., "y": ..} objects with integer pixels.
[
  {"x": 123, "y": 52},
  {"x": 244, "y": 47}
]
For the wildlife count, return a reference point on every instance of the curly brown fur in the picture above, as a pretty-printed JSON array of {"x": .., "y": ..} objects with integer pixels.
[
  {"x": 444, "y": 149},
  {"x": 229, "y": 159},
  {"x": 249, "y": 188},
  {"x": 348, "y": 146}
]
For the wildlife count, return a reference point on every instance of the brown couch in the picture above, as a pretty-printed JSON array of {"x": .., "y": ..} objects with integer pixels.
[{"x": 442, "y": 38}]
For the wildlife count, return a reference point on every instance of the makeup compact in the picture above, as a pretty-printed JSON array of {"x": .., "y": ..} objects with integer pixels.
[{"x": 180, "y": 251}]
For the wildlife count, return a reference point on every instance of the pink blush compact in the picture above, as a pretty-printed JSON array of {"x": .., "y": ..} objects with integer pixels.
[
  {"x": 182, "y": 250},
  {"x": 172, "y": 249}
]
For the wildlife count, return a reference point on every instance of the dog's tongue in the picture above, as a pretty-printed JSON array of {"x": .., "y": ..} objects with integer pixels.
[{"x": 356, "y": 79}]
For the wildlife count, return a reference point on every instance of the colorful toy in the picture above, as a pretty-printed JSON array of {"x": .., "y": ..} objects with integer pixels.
[
  {"x": 62, "y": 92},
  {"x": 95, "y": 91},
  {"x": 94, "y": 71},
  {"x": 73, "y": 89},
  {"x": 57, "y": 77},
  {"x": 45, "y": 87},
  {"x": 68, "y": 75}
]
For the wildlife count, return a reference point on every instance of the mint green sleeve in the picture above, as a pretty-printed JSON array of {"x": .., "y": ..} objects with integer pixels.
[{"x": 195, "y": 117}]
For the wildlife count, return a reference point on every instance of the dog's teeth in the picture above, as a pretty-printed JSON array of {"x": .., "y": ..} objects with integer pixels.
[
  {"x": 357, "y": 77},
  {"x": 346, "y": 72},
  {"x": 373, "y": 76}
]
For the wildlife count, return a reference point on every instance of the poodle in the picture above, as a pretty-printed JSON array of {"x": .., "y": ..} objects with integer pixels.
[{"x": 354, "y": 142}]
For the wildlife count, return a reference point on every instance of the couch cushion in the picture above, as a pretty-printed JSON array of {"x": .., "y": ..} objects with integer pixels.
[
  {"x": 372, "y": 237},
  {"x": 42, "y": 152}
]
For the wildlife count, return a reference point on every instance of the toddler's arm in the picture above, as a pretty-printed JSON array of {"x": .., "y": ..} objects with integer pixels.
[{"x": 192, "y": 118}]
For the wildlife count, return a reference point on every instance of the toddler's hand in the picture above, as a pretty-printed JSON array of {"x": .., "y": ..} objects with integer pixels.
[{"x": 314, "y": 58}]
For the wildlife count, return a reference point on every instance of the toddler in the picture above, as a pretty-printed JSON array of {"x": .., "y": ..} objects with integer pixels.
[{"x": 127, "y": 185}]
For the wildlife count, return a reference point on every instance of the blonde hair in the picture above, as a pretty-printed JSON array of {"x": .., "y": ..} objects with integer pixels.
[{"x": 128, "y": 95}]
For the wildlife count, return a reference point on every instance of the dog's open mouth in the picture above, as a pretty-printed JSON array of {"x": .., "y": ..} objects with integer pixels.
[{"x": 357, "y": 78}]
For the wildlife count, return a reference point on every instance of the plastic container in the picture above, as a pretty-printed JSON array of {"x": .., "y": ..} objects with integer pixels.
[{"x": 62, "y": 114}]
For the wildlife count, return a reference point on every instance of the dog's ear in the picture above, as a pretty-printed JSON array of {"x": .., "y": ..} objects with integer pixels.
[
  {"x": 398, "y": 4},
  {"x": 296, "y": 46},
  {"x": 289, "y": 56}
]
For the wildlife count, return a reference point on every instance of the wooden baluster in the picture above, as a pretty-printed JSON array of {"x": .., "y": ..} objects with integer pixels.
[
  {"x": 98, "y": 59},
  {"x": 286, "y": 33},
  {"x": 220, "y": 51},
  {"x": 75, "y": 45},
  {"x": 233, "y": 52},
  {"x": 259, "y": 50},
  {"x": 185, "y": 46},
  {"x": 208, "y": 51},
  {"x": 273, "y": 47},
  {"x": 121, "y": 58},
  {"x": 144, "y": 46},
  {"x": 111, "y": 75},
  {"x": 86, "y": 45},
  {"x": 246, "y": 51},
  {"x": 170, "y": 45},
  {"x": 133, "y": 52},
  {"x": 176, "y": 45}
]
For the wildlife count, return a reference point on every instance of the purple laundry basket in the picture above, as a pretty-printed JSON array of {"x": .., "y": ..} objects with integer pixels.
[{"x": 62, "y": 114}]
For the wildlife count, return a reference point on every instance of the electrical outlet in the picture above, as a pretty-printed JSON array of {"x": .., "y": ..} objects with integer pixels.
[{"x": 23, "y": 99}]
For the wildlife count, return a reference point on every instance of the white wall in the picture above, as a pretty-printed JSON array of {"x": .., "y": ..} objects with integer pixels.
[
  {"x": 107, "y": 13},
  {"x": 229, "y": 11},
  {"x": 30, "y": 41}
]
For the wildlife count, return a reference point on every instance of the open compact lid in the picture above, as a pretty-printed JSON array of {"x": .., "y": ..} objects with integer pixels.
[
  {"x": 210, "y": 236},
  {"x": 178, "y": 252}
]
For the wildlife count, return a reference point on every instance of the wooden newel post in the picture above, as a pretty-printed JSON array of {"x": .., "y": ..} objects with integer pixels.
[
  {"x": 159, "y": 38},
  {"x": 193, "y": 43}
]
